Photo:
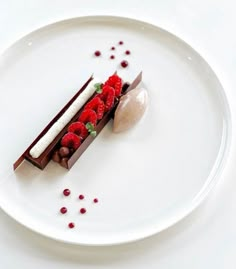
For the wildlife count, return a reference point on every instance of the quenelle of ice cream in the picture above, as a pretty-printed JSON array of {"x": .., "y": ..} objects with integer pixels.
[{"x": 130, "y": 109}]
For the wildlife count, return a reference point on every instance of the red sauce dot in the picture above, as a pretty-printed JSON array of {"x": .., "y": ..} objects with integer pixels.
[
  {"x": 71, "y": 225},
  {"x": 81, "y": 196},
  {"x": 66, "y": 192},
  {"x": 97, "y": 53},
  {"x": 121, "y": 43},
  {"x": 63, "y": 210},
  {"x": 124, "y": 64},
  {"x": 95, "y": 200},
  {"x": 127, "y": 52},
  {"x": 113, "y": 48},
  {"x": 112, "y": 57},
  {"x": 82, "y": 210}
]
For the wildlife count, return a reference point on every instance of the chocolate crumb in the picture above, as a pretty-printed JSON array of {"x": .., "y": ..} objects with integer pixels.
[
  {"x": 64, "y": 151},
  {"x": 56, "y": 157}
]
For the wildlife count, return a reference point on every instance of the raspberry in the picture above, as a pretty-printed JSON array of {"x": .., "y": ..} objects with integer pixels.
[
  {"x": 116, "y": 83},
  {"x": 71, "y": 140},
  {"x": 88, "y": 115},
  {"x": 107, "y": 96},
  {"x": 97, "y": 105},
  {"x": 79, "y": 129}
]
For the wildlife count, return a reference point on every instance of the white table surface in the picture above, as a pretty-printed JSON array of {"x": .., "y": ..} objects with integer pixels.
[{"x": 206, "y": 238}]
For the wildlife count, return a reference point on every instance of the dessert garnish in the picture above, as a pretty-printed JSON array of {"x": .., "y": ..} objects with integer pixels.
[
  {"x": 71, "y": 225},
  {"x": 119, "y": 46},
  {"x": 63, "y": 210},
  {"x": 97, "y": 53},
  {"x": 66, "y": 192},
  {"x": 83, "y": 210},
  {"x": 124, "y": 63}
]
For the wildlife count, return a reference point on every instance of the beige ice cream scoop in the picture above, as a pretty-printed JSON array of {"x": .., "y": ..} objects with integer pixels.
[{"x": 130, "y": 109}]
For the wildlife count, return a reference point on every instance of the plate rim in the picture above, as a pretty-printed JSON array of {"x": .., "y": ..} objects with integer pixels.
[{"x": 217, "y": 168}]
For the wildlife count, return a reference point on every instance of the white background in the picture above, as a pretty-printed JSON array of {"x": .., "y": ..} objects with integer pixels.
[{"x": 205, "y": 239}]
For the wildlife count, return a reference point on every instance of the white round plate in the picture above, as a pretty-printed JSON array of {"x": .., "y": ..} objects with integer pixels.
[{"x": 146, "y": 179}]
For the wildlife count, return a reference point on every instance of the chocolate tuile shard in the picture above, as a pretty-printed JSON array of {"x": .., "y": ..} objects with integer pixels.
[{"x": 67, "y": 163}]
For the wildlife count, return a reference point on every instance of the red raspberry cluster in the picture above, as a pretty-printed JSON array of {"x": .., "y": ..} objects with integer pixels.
[{"x": 91, "y": 114}]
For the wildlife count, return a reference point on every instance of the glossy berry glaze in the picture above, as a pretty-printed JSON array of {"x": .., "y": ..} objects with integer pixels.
[
  {"x": 83, "y": 210},
  {"x": 71, "y": 225},
  {"x": 124, "y": 64},
  {"x": 81, "y": 196},
  {"x": 66, "y": 192},
  {"x": 63, "y": 210},
  {"x": 97, "y": 53}
]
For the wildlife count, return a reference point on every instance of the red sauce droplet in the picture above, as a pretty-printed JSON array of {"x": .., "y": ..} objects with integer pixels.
[
  {"x": 81, "y": 196},
  {"x": 124, "y": 64},
  {"x": 97, "y": 53},
  {"x": 66, "y": 192},
  {"x": 82, "y": 210},
  {"x": 112, "y": 57},
  {"x": 95, "y": 200},
  {"x": 121, "y": 43},
  {"x": 113, "y": 48},
  {"x": 63, "y": 210},
  {"x": 127, "y": 52},
  {"x": 71, "y": 225}
]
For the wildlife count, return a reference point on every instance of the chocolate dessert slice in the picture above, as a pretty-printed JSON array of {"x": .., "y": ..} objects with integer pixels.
[{"x": 39, "y": 153}]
